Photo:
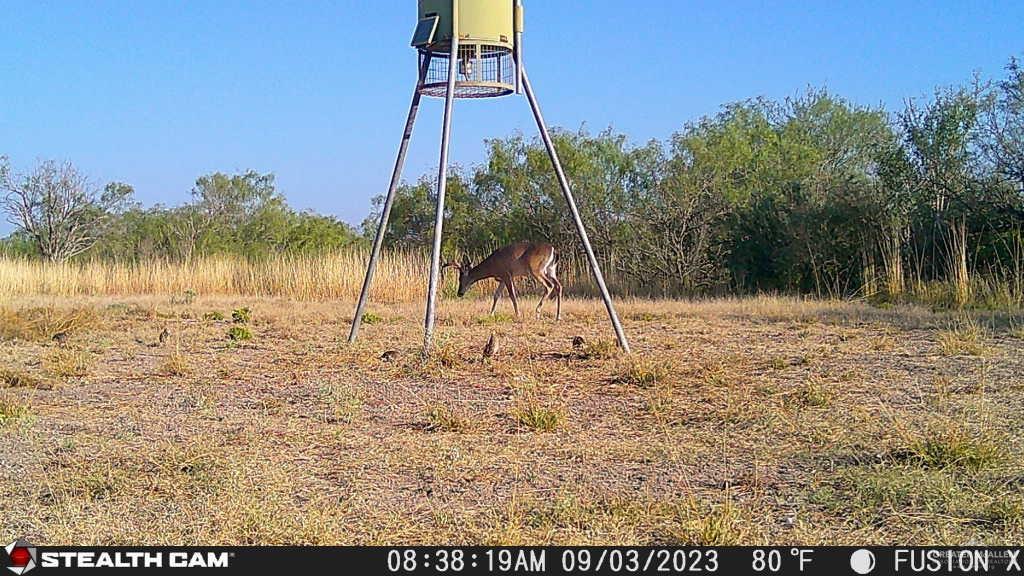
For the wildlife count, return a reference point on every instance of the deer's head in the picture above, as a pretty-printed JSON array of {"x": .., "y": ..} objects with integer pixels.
[{"x": 464, "y": 279}]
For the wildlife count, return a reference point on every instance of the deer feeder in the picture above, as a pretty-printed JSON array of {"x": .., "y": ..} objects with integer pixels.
[{"x": 469, "y": 49}]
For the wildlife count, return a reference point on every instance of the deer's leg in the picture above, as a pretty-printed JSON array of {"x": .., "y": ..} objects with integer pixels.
[
  {"x": 512, "y": 295},
  {"x": 558, "y": 295},
  {"x": 497, "y": 295},
  {"x": 548, "y": 287}
]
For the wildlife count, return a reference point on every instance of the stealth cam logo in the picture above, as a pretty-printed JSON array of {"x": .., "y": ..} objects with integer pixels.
[{"x": 21, "y": 556}]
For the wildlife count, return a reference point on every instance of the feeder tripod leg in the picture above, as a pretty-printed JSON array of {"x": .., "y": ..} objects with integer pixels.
[
  {"x": 385, "y": 213},
  {"x": 564, "y": 183},
  {"x": 442, "y": 186}
]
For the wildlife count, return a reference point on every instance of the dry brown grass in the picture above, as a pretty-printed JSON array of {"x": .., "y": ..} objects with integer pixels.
[
  {"x": 399, "y": 277},
  {"x": 964, "y": 336},
  {"x": 749, "y": 421}
]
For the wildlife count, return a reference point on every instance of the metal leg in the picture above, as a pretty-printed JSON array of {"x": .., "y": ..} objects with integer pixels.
[
  {"x": 442, "y": 185},
  {"x": 575, "y": 213},
  {"x": 396, "y": 176}
]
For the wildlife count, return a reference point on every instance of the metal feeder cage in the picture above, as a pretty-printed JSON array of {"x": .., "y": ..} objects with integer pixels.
[{"x": 484, "y": 71}]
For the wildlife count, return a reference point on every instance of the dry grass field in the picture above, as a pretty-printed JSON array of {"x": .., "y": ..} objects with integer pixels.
[{"x": 762, "y": 420}]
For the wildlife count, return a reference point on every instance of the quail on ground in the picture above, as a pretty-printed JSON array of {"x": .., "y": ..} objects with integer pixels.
[
  {"x": 491, "y": 348},
  {"x": 578, "y": 342},
  {"x": 389, "y": 356},
  {"x": 60, "y": 337},
  {"x": 164, "y": 334}
]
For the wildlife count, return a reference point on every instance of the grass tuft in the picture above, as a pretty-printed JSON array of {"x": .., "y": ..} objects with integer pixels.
[
  {"x": 538, "y": 416},
  {"x": 718, "y": 526},
  {"x": 815, "y": 394},
  {"x": 952, "y": 446},
  {"x": 13, "y": 379},
  {"x": 599, "y": 350},
  {"x": 12, "y": 411},
  {"x": 339, "y": 403},
  {"x": 496, "y": 318},
  {"x": 176, "y": 364},
  {"x": 641, "y": 373},
  {"x": 445, "y": 418},
  {"x": 964, "y": 338},
  {"x": 69, "y": 363},
  {"x": 42, "y": 324}
]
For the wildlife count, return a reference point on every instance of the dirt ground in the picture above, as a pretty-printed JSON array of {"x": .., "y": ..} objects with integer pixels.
[{"x": 749, "y": 421}]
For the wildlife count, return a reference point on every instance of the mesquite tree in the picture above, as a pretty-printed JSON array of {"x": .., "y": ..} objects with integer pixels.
[{"x": 58, "y": 208}]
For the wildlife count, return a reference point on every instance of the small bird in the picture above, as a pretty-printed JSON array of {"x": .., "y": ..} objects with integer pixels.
[
  {"x": 164, "y": 334},
  {"x": 389, "y": 356},
  {"x": 60, "y": 337},
  {"x": 578, "y": 342},
  {"x": 491, "y": 348}
]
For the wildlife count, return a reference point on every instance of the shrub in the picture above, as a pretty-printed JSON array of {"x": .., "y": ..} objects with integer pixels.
[
  {"x": 239, "y": 333},
  {"x": 241, "y": 315},
  {"x": 371, "y": 318}
]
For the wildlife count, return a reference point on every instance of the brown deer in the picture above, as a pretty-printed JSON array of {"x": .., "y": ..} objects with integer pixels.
[{"x": 505, "y": 264}]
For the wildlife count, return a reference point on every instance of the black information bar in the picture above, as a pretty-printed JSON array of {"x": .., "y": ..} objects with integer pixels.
[{"x": 470, "y": 561}]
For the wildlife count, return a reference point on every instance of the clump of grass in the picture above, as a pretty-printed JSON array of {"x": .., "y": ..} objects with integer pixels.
[
  {"x": 372, "y": 318},
  {"x": 176, "y": 364},
  {"x": 1005, "y": 511},
  {"x": 339, "y": 403},
  {"x": 43, "y": 323},
  {"x": 445, "y": 354},
  {"x": 882, "y": 343},
  {"x": 717, "y": 526},
  {"x": 598, "y": 350},
  {"x": 658, "y": 398},
  {"x": 445, "y": 418},
  {"x": 1016, "y": 331},
  {"x": 213, "y": 316},
  {"x": 963, "y": 338},
  {"x": 641, "y": 373},
  {"x": 239, "y": 333},
  {"x": 496, "y": 318},
  {"x": 814, "y": 393},
  {"x": 778, "y": 363},
  {"x": 13, "y": 379},
  {"x": 69, "y": 363},
  {"x": 241, "y": 315},
  {"x": 951, "y": 445},
  {"x": 187, "y": 297},
  {"x": 538, "y": 416},
  {"x": 11, "y": 411}
]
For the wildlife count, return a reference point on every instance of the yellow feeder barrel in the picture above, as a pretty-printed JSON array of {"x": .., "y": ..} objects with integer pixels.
[
  {"x": 480, "y": 22},
  {"x": 487, "y": 37}
]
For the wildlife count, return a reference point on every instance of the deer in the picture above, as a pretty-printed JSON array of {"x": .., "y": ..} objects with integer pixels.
[{"x": 505, "y": 264}]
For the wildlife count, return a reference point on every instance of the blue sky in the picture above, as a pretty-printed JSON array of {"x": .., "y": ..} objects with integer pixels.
[{"x": 156, "y": 93}]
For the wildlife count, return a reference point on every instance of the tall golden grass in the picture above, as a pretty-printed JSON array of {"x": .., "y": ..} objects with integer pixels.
[{"x": 400, "y": 277}]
